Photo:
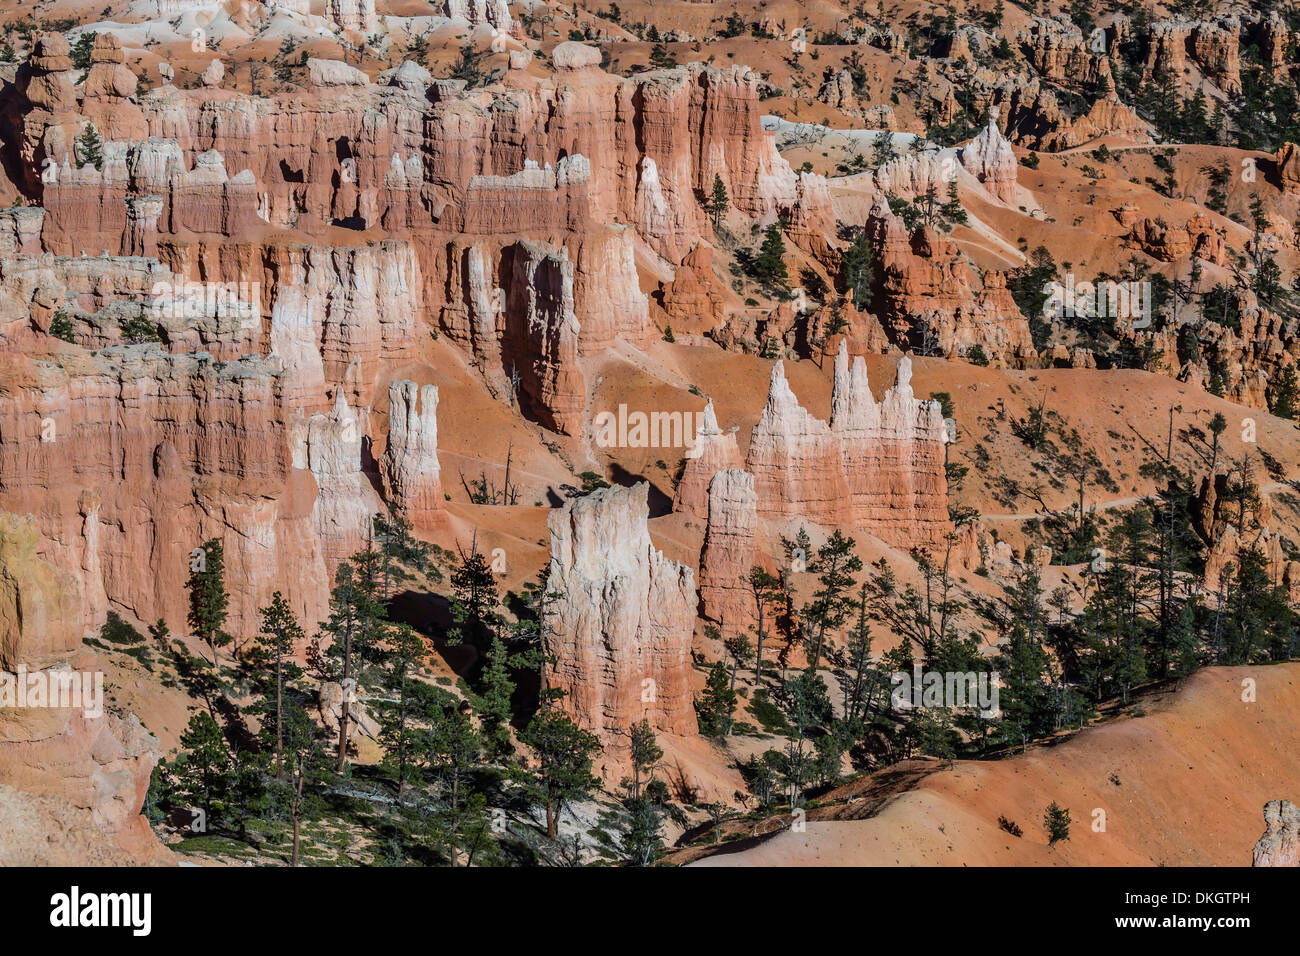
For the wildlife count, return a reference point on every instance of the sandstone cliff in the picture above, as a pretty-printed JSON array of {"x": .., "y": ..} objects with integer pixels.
[
  {"x": 713, "y": 450},
  {"x": 411, "y": 470},
  {"x": 72, "y": 778}
]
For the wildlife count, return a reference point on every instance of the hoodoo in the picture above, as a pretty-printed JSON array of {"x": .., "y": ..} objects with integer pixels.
[
  {"x": 411, "y": 470},
  {"x": 877, "y": 468},
  {"x": 619, "y": 632}
]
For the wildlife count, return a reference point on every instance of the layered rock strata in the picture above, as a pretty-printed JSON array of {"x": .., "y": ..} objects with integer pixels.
[
  {"x": 411, "y": 471},
  {"x": 876, "y": 467},
  {"x": 712, "y": 451},
  {"x": 73, "y": 776},
  {"x": 729, "y": 550},
  {"x": 619, "y": 634}
]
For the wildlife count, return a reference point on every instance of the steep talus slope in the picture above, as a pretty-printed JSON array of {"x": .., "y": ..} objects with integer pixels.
[{"x": 1183, "y": 785}]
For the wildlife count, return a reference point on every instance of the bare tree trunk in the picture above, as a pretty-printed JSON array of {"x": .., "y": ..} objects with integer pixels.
[
  {"x": 279, "y": 716},
  {"x": 297, "y": 809},
  {"x": 345, "y": 707}
]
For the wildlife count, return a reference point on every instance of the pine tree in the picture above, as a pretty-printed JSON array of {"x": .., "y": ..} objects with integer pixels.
[
  {"x": 764, "y": 587},
  {"x": 278, "y": 640},
  {"x": 883, "y": 148},
  {"x": 355, "y": 631},
  {"x": 1267, "y": 282},
  {"x": 565, "y": 752},
  {"x": 495, "y": 691},
  {"x": 90, "y": 147},
  {"x": 452, "y": 749},
  {"x": 859, "y": 680},
  {"x": 857, "y": 266},
  {"x": 952, "y": 211},
  {"x": 646, "y": 754},
  {"x": 201, "y": 771},
  {"x": 660, "y": 58},
  {"x": 61, "y": 326},
  {"x": 835, "y": 566},
  {"x": 715, "y": 708},
  {"x": 740, "y": 649},
  {"x": 81, "y": 49},
  {"x": 641, "y": 838},
  {"x": 806, "y": 707},
  {"x": 1117, "y": 627},
  {"x": 1056, "y": 821},
  {"x": 474, "y": 615},
  {"x": 399, "y": 734},
  {"x": 209, "y": 602},
  {"x": 1286, "y": 394},
  {"x": 1023, "y": 663},
  {"x": 305, "y": 765},
  {"x": 719, "y": 202},
  {"x": 769, "y": 264}
]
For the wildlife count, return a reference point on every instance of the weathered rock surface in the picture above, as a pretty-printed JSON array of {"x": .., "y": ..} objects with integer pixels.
[
  {"x": 41, "y": 620},
  {"x": 411, "y": 470},
  {"x": 929, "y": 295},
  {"x": 541, "y": 341},
  {"x": 72, "y": 778},
  {"x": 620, "y": 632},
  {"x": 145, "y": 456},
  {"x": 712, "y": 451},
  {"x": 729, "y": 550},
  {"x": 330, "y": 448},
  {"x": 876, "y": 467},
  {"x": 1280, "y": 844},
  {"x": 989, "y": 159},
  {"x": 1288, "y": 167}
]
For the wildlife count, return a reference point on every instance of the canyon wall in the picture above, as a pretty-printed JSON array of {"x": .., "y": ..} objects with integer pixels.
[{"x": 72, "y": 778}]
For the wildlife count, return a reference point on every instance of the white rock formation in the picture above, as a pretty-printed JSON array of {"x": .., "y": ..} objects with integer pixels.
[
  {"x": 728, "y": 551},
  {"x": 990, "y": 159},
  {"x": 341, "y": 515},
  {"x": 294, "y": 337},
  {"x": 411, "y": 472},
  {"x": 876, "y": 467},
  {"x": 711, "y": 451},
  {"x": 356, "y": 16},
  {"x": 334, "y": 73},
  {"x": 620, "y": 630}
]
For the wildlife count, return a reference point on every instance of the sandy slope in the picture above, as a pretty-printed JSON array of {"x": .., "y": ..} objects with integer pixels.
[{"x": 1183, "y": 785}]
